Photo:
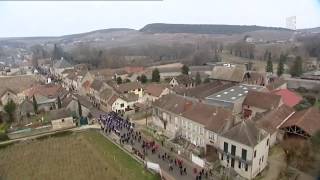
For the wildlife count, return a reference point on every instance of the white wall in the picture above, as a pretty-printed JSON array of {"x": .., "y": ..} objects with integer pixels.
[
  {"x": 261, "y": 151},
  {"x": 63, "y": 123}
]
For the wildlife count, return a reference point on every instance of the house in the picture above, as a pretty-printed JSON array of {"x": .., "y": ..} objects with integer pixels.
[
  {"x": 131, "y": 87},
  {"x": 46, "y": 95},
  {"x": 104, "y": 97},
  {"x": 232, "y": 97},
  {"x": 303, "y": 123},
  {"x": 130, "y": 73},
  {"x": 156, "y": 91},
  {"x": 182, "y": 80},
  {"x": 59, "y": 66},
  {"x": 196, "y": 122},
  {"x": 288, "y": 97},
  {"x": 121, "y": 73},
  {"x": 271, "y": 122},
  {"x": 122, "y": 105},
  {"x": 228, "y": 73},
  {"x": 25, "y": 109},
  {"x": 60, "y": 119},
  {"x": 259, "y": 102},
  {"x": 12, "y": 88},
  {"x": 86, "y": 82},
  {"x": 72, "y": 79},
  {"x": 9, "y": 95},
  {"x": 244, "y": 149},
  {"x": 94, "y": 93}
]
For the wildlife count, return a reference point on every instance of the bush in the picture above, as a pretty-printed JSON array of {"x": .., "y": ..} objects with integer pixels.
[
  {"x": 4, "y": 137},
  {"x": 311, "y": 99},
  {"x": 304, "y": 104},
  {"x": 302, "y": 90}
]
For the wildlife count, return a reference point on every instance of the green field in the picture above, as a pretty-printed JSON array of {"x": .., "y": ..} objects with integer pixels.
[{"x": 86, "y": 155}]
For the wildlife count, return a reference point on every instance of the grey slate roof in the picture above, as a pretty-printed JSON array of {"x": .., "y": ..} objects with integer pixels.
[
  {"x": 246, "y": 133},
  {"x": 234, "y": 93},
  {"x": 58, "y": 114},
  {"x": 234, "y": 74}
]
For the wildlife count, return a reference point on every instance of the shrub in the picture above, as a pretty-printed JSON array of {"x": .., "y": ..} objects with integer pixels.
[
  {"x": 310, "y": 99},
  {"x": 4, "y": 137}
]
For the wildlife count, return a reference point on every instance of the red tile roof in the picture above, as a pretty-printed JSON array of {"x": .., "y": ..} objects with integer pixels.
[
  {"x": 262, "y": 100},
  {"x": 48, "y": 90},
  {"x": 308, "y": 120},
  {"x": 211, "y": 117},
  {"x": 288, "y": 97},
  {"x": 112, "y": 99},
  {"x": 155, "y": 89},
  {"x": 86, "y": 84},
  {"x": 272, "y": 120}
]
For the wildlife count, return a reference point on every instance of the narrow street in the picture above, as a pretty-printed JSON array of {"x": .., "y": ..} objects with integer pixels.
[{"x": 155, "y": 158}]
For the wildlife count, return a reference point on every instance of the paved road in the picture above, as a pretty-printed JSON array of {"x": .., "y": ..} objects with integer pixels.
[{"x": 164, "y": 164}]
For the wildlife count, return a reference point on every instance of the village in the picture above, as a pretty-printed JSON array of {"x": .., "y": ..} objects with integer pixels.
[{"x": 223, "y": 117}]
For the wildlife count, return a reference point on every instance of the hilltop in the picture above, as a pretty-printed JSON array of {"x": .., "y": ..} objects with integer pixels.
[{"x": 204, "y": 28}]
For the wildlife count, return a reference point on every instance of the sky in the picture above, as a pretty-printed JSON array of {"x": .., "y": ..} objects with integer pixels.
[{"x": 55, "y": 18}]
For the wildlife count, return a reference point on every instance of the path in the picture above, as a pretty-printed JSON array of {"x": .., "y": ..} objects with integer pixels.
[{"x": 276, "y": 164}]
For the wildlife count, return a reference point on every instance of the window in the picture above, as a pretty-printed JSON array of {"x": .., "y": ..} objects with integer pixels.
[
  {"x": 233, "y": 150},
  {"x": 232, "y": 162},
  {"x": 239, "y": 165},
  {"x": 121, "y": 105},
  {"x": 222, "y": 157},
  {"x": 225, "y": 147},
  {"x": 255, "y": 153},
  {"x": 244, "y": 154},
  {"x": 211, "y": 136},
  {"x": 246, "y": 167}
]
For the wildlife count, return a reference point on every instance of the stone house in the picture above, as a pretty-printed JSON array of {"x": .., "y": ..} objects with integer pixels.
[
  {"x": 244, "y": 149},
  {"x": 61, "y": 119},
  {"x": 182, "y": 80},
  {"x": 196, "y": 122},
  {"x": 259, "y": 102},
  {"x": 155, "y": 91}
]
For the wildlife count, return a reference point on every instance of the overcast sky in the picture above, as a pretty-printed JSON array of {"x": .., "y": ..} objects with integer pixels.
[{"x": 60, "y": 18}]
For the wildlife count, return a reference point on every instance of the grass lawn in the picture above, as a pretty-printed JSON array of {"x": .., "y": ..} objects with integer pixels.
[
  {"x": 318, "y": 104},
  {"x": 77, "y": 156}
]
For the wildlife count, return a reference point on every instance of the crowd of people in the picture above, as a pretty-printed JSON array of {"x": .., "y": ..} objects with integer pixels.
[{"x": 124, "y": 129}]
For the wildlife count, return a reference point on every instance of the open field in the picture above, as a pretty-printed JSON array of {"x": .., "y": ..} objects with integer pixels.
[
  {"x": 82, "y": 155},
  {"x": 258, "y": 65}
]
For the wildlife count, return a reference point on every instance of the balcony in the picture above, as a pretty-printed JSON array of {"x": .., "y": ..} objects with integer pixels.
[{"x": 249, "y": 162}]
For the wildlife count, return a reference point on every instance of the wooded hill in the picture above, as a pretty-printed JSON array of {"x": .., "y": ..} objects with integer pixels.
[{"x": 204, "y": 28}]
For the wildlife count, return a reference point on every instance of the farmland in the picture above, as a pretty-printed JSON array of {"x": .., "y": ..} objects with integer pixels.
[{"x": 85, "y": 155}]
